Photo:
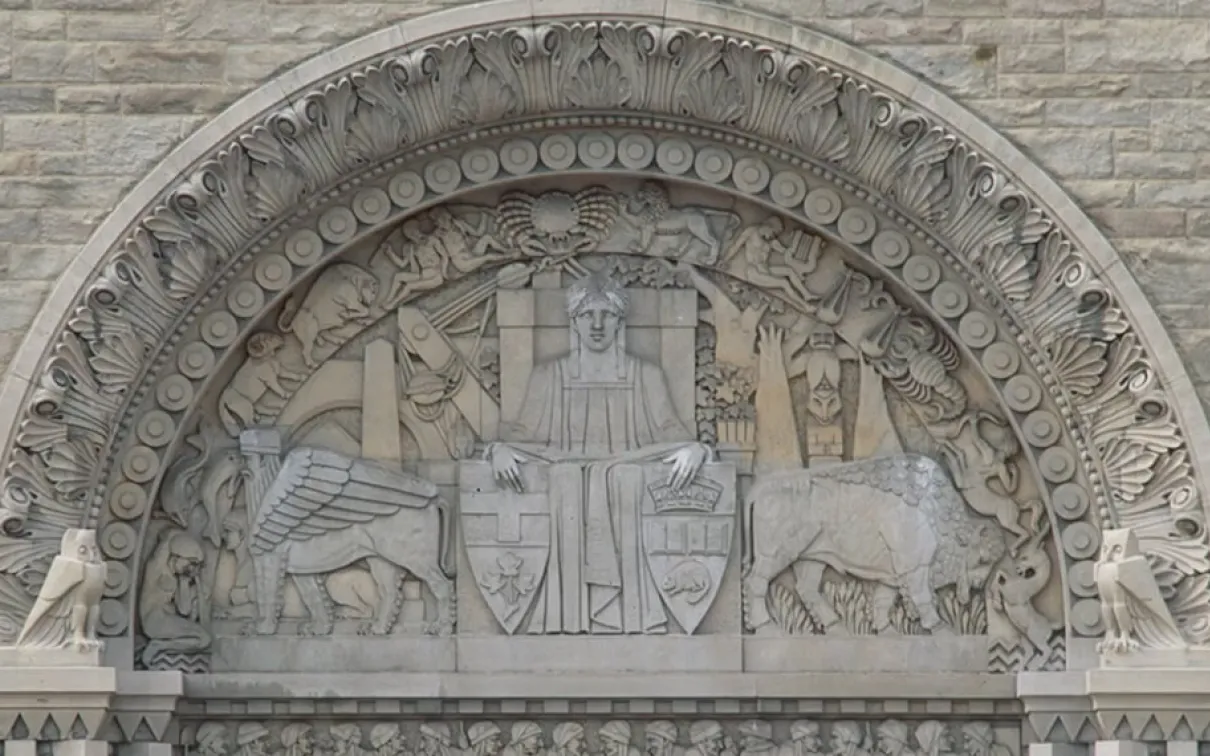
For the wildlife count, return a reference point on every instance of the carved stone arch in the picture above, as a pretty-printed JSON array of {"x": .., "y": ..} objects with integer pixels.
[{"x": 293, "y": 176}]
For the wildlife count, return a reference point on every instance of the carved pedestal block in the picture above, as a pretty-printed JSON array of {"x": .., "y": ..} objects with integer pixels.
[
  {"x": 350, "y": 653},
  {"x": 962, "y": 653}
]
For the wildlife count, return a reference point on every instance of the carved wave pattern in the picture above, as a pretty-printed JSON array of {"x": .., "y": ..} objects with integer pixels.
[{"x": 100, "y": 365}]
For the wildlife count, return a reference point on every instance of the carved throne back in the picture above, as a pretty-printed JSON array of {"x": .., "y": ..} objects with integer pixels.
[{"x": 660, "y": 327}]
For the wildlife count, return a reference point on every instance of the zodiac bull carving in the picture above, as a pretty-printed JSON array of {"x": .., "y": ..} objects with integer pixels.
[
  {"x": 317, "y": 511},
  {"x": 896, "y": 521}
]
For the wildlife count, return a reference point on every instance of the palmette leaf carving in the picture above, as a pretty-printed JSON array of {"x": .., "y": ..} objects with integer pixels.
[{"x": 130, "y": 312}]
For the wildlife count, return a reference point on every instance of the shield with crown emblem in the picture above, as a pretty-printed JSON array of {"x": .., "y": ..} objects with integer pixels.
[{"x": 687, "y": 537}]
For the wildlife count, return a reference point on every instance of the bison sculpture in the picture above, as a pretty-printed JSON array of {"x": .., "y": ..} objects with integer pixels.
[{"x": 896, "y": 521}]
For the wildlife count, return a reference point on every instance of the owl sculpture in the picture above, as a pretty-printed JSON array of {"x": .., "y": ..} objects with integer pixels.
[
  {"x": 1132, "y": 607},
  {"x": 65, "y": 612}
]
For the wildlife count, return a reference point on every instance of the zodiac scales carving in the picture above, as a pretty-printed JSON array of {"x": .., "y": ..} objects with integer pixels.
[{"x": 650, "y": 427}]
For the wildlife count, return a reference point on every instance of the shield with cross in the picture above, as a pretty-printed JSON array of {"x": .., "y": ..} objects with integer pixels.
[{"x": 507, "y": 537}]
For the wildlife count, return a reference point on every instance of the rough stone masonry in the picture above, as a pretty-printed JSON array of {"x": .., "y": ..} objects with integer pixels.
[{"x": 1111, "y": 96}]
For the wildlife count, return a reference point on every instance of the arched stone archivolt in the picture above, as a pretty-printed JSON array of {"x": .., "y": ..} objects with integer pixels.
[{"x": 1101, "y": 426}]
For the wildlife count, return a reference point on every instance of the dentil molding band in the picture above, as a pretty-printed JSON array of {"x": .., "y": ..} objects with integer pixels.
[{"x": 355, "y": 140}]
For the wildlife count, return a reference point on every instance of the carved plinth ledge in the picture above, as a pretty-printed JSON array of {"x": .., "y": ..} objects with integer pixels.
[
  {"x": 582, "y": 347},
  {"x": 1081, "y": 708}
]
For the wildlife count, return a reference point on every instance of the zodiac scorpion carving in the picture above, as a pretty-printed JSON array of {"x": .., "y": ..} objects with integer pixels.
[{"x": 512, "y": 377}]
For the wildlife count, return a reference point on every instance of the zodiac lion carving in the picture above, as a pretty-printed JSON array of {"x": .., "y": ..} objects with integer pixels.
[
  {"x": 896, "y": 521},
  {"x": 317, "y": 511}
]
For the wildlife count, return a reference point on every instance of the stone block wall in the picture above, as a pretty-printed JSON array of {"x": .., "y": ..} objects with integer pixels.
[{"x": 1112, "y": 96}]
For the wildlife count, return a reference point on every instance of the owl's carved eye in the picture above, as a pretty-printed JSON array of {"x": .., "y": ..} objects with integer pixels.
[
  {"x": 1030, "y": 572},
  {"x": 83, "y": 551}
]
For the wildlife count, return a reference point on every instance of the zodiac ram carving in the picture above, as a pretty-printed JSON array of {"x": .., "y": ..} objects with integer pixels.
[
  {"x": 896, "y": 521},
  {"x": 316, "y": 511}
]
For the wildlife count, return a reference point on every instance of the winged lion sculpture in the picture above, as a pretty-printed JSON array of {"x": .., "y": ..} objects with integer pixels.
[{"x": 316, "y": 511}]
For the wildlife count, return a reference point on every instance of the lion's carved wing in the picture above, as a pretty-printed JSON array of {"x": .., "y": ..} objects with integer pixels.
[{"x": 318, "y": 491}]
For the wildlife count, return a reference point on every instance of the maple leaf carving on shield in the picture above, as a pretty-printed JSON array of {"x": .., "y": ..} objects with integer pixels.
[{"x": 510, "y": 583}]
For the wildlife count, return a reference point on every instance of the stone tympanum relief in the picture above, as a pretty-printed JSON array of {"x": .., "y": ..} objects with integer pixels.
[
  {"x": 619, "y": 737},
  {"x": 615, "y": 403},
  {"x": 906, "y": 300}
]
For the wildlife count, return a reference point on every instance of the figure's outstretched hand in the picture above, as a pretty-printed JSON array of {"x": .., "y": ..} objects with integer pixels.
[
  {"x": 506, "y": 466},
  {"x": 685, "y": 464}
]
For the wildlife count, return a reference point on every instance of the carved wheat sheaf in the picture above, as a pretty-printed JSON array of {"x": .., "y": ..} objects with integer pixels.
[{"x": 1126, "y": 439}]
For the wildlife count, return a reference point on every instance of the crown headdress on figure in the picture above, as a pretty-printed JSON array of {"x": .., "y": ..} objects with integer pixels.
[{"x": 597, "y": 288}]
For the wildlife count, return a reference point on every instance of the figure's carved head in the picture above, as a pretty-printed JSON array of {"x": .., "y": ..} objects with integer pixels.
[
  {"x": 615, "y": 737},
  {"x": 233, "y": 532},
  {"x": 1118, "y": 544},
  {"x": 346, "y": 736},
  {"x": 707, "y": 735},
  {"x": 264, "y": 344},
  {"x": 526, "y": 738},
  {"x": 978, "y": 738},
  {"x": 411, "y": 230},
  {"x": 485, "y": 737},
  {"x": 386, "y": 739},
  {"x": 933, "y": 737},
  {"x": 252, "y": 738},
  {"x": 755, "y": 734},
  {"x": 771, "y": 228},
  {"x": 211, "y": 739},
  {"x": 650, "y": 202},
  {"x": 80, "y": 545},
  {"x": 298, "y": 738},
  {"x": 185, "y": 555},
  {"x": 659, "y": 737},
  {"x": 806, "y": 733},
  {"x": 434, "y": 737},
  {"x": 892, "y": 737},
  {"x": 366, "y": 285},
  {"x": 597, "y": 308},
  {"x": 846, "y": 736}
]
